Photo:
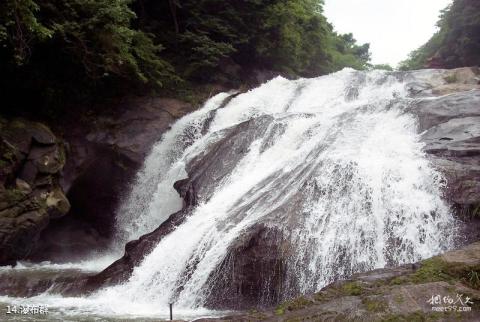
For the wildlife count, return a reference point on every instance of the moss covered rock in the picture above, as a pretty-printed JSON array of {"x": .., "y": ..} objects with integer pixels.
[{"x": 31, "y": 159}]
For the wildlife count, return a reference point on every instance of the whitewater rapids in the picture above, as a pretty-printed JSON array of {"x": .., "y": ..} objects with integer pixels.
[{"x": 335, "y": 163}]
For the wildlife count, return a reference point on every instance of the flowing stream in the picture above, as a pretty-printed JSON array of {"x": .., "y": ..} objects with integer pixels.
[{"x": 334, "y": 163}]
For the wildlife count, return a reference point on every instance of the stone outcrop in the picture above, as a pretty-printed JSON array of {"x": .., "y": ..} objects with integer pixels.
[
  {"x": 450, "y": 127},
  {"x": 31, "y": 159}
]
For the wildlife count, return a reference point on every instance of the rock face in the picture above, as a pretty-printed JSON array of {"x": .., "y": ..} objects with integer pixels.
[
  {"x": 253, "y": 263},
  {"x": 31, "y": 159},
  {"x": 104, "y": 154},
  {"x": 451, "y": 131}
]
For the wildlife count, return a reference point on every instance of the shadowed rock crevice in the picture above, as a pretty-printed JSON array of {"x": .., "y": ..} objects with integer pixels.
[{"x": 31, "y": 158}]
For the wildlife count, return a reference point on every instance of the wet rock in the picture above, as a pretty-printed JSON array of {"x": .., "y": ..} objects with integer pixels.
[
  {"x": 450, "y": 127},
  {"x": 42, "y": 134},
  {"x": 136, "y": 250},
  {"x": 204, "y": 175},
  {"x": 19, "y": 233},
  {"x": 432, "y": 113},
  {"x": 28, "y": 282},
  {"x": 252, "y": 275},
  {"x": 23, "y": 186},
  {"x": 469, "y": 255},
  {"x": 207, "y": 171},
  {"x": 57, "y": 205},
  {"x": 28, "y": 172},
  {"x": 29, "y": 153},
  {"x": 47, "y": 160},
  {"x": 453, "y": 88}
]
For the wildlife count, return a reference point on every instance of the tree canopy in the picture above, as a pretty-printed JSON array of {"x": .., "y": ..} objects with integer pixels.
[
  {"x": 62, "y": 51},
  {"x": 457, "y": 41}
]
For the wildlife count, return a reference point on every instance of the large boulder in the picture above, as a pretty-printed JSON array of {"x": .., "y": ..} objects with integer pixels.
[
  {"x": 450, "y": 127},
  {"x": 31, "y": 159},
  {"x": 252, "y": 275}
]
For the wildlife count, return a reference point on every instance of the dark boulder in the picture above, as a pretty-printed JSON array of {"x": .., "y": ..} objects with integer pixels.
[{"x": 31, "y": 159}]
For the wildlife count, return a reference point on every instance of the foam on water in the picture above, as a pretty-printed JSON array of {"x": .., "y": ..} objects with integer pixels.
[{"x": 340, "y": 170}]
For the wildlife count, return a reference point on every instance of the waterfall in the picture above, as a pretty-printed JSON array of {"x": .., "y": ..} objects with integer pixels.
[
  {"x": 333, "y": 164},
  {"x": 153, "y": 197}
]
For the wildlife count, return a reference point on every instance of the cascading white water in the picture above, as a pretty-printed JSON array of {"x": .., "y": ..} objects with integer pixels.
[
  {"x": 153, "y": 197},
  {"x": 335, "y": 164}
]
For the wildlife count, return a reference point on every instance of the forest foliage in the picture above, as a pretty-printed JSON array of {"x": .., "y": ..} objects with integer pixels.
[
  {"x": 455, "y": 44},
  {"x": 58, "y": 52}
]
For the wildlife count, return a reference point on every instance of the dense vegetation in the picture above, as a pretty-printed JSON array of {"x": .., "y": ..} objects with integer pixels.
[
  {"x": 457, "y": 42},
  {"x": 55, "y": 53}
]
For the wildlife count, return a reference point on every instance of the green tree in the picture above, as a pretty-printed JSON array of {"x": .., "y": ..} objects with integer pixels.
[
  {"x": 293, "y": 37},
  {"x": 382, "y": 67},
  {"x": 457, "y": 41},
  {"x": 70, "y": 51},
  {"x": 346, "y": 53},
  {"x": 63, "y": 49},
  {"x": 19, "y": 27}
]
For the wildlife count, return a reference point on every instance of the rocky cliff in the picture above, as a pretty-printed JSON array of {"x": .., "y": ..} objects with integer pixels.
[
  {"x": 450, "y": 127},
  {"x": 31, "y": 160}
]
